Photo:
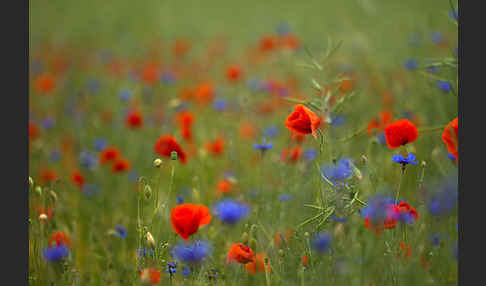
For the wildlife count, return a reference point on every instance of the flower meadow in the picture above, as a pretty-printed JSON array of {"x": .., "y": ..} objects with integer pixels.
[{"x": 279, "y": 143}]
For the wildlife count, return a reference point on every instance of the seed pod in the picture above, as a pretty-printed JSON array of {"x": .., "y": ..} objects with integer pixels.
[
  {"x": 157, "y": 163},
  {"x": 281, "y": 253},
  {"x": 147, "y": 192},
  {"x": 38, "y": 190},
  {"x": 53, "y": 195}
]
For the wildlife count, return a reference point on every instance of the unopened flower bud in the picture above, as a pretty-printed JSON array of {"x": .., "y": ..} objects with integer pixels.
[
  {"x": 157, "y": 163},
  {"x": 424, "y": 164},
  {"x": 364, "y": 159},
  {"x": 43, "y": 217},
  {"x": 53, "y": 195},
  {"x": 306, "y": 234},
  {"x": 147, "y": 192},
  {"x": 173, "y": 155},
  {"x": 281, "y": 253},
  {"x": 31, "y": 181},
  {"x": 38, "y": 190},
  {"x": 339, "y": 229},
  {"x": 150, "y": 239},
  {"x": 253, "y": 244},
  {"x": 244, "y": 238}
]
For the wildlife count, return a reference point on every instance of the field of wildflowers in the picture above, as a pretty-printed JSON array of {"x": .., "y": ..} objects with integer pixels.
[{"x": 245, "y": 143}]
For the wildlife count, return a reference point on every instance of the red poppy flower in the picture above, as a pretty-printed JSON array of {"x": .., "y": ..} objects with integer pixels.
[
  {"x": 404, "y": 208},
  {"x": 450, "y": 137},
  {"x": 292, "y": 154},
  {"x": 407, "y": 249},
  {"x": 48, "y": 175},
  {"x": 384, "y": 118},
  {"x": 215, "y": 147},
  {"x": 290, "y": 41},
  {"x": 204, "y": 92},
  {"x": 109, "y": 154},
  {"x": 180, "y": 47},
  {"x": 45, "y": 83},
  {"x": 224, "y": 186},
  {"x": 166, "y": 144},
  {"x": 150, "y": 275},
  {"x": 303, "y": 121},
  {"x": 257, "y": 265},
  {"x": 390, "y": 221},
  {"x": 247, "y": 130},
  {"x": 268, "y": 43},
  {"x": 33, "y": 131},
  {"x": 233, "y": 73},
  {"x": 187, "y": 218},
  {"x": 304, "y": 260},
  {"x": 77, "y": 178},
  {"x": 120, "y": 165},
  {"x": 240, "y": 253},
  {"x": 185, "y": 120},
  {"x": 59, "y": 238},
  {"x": 400, "y": 132},
  {"x": 150, "y": 74},
  {"x": 134, "y": 119}
]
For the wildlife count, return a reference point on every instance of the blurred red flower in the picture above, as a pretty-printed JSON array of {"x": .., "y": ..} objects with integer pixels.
[
  {"x": 450, "y": 137},
  {"x": 166, "y": 144}
]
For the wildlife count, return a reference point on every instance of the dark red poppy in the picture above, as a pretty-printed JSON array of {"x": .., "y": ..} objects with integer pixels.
[
  {"x": 234, "y": 73},
  {"x": 187, "y": 218},
  {"x": 405, "y": 209},
  {"x": 109, "y": 154},
  {"x": 77, "y": 178},
  {"x": 303, "y": 121},
  {"x": 290, "y": 41},
  {"x": 166, "y": 144},
  {"x": 400, "y": 132},
  {"x": 120, "y": 165},
  {"x": 240, "y": 253},
  {"x": 45, "y": 83},
  {"x": 134, "y": 119},
  {"x": 450, "y": 137}
]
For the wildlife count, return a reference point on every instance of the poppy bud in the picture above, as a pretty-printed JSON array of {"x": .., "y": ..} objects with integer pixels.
[
  {"x": 173, "y": 155},
  {"x": 53, "y": 195},
  {"x": 43, "y": 217},
  {"x": 253, "y": 244},
  {"x": 281, "y": 253},
  {"x": 244, "y": 238},
  {"x": 150, "y": 239},
  {"x": 424, "y": 164},
  {"x": 147, "y": 191},
  {"x": 364, "y": 159},
  {"x": 306, "y": 234},
  {"x": 38, "y": 190},
  {"x": 157, "y": 163},
  {"x": 31, "y": 182}
]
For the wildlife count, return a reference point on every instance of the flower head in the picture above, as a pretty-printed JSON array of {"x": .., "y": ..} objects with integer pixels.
[
  {"x": 240, "y": 253},
  {"x": 191, "y": 253},
  {"x": 322, "y": 242},
  {"x": 338, "y": 172},
  {"x": 264, "y": 146},
  {"x": 121, "y": 231},
  {"x": 134, "y": 119},
  {"x": 230, "y": 211},
  {"x": 171, "y": 268},
  {"x": 56, "y": 253},
  {"x": 411, "y": 64},
  {"x": 257, "y": 265},
  {"x": 166, "y": 144},
  {"x": 400, "y": 132},
  {"x": 150, "y": 276},
  {"x": 303, "y": 121},
  {"x": 450, "y": 137},
  {"x": 445, "y": 86},
  {"x": 187, "y": 218},
  {"x": 410, "y": 159}
]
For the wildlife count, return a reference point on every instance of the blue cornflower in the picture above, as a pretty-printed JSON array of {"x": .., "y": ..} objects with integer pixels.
[
  {"x": 433, "y": 69},
  {"x": 55, "y": 156},
  {"x": 445, "y": 86},
  {"x": 454, "y": 14},
  {"x": 398, "y": 158},
  {"x": 322, "y": 242},
  {"x": 411, "y": 64},
  {"x": 142, "y": 252},
  {"x": 125, "y": 94},
  {"x": 100, "y": 144},
  {"x": 168, "y": 77},
  {"x": 133, "y": 176},
  {"x": 48, "y": 123},
  {"x": 191, "y": 253},
  {"x": 310, "y": 154},
  {"x": 56, "y": 253},
  {"x": 186, "y": 271},
  {"x": 436, "y": 37},
  {"x": 271, "y": 131},
  {"x": 180, "y": 200},
  {"x": 121, "y": 231},
  {"x": 88, "y": 160},
  {"x": 171, "y": 268},
  {"x": 337, "y": 120},
  {"x": 435, "y": 239},
  {"x": 90, "y": 189},
  {"x": 450, "y": 156},
  {"x": 285, "y": 197},
  {"x": 340, "y": 219},
  {"x": 264, "y": 146},
  {"x": 378, "y": 208},
  {"x": 381, "y": 138},
  {"x": 230, "y": 211},
  {"x": 255, "y": 84},
  {"x": 220, "y": 104},
  {"x": 338, "y": 172},
  {"x": 444, "y": 201}
]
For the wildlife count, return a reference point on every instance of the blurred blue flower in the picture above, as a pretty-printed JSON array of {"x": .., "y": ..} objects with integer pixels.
[
  {"x": 337, "y": 120},
  {"x": 48, "y": 123},
  {"x": 230, "y": 211},
  {"x": 55, "y": 156},
  {"x": 191, "y": 253},
  {"x": 93, "y": 85},
  {"x": 125, "y": 94},
  {"x": 282, "y": 29},
  {"x": 88, "y": 160},
  {"x": 322, "y": 242},
  {"x": 142, "y": 252},
  {"x": 168, "y": 77},
  {"x": 100, "y": 144},
  {"x": 411, "y": 64},
  {"x": 450, "y": 156},
  {"x": 445, "y": 86},
  {"x": 378, "y": 208},
  {"x": 186, "y": 271},
  {"x": 310, "y": 154},
  {"x": 133, "y": 176},
  {"x": 381, "y": 138},
  {"x": 285, "y": 197},
  {"x": 398, "y": 158},
  {"x": 220, "y": 104},
  {"x": 56, "y": 253},
  {"x": 338, "y": 172},
  {"x": 436, "y": 37},
  {"x": 171, "y": 268},
  {"x": 90, "y": 190},
  {"x": 433, "y": 69},
  {"x": 180, "y": 200},
  {"x": 454, "y": 14},
  {"x": 121, "y": 231},
  {"x": 444, "y": 200},
  {"x": 264, "y": 146},
  {"x": 270, "y": 131},
  {"x": 335, "y": 218},
  {"x": 435, "y": 239}
]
